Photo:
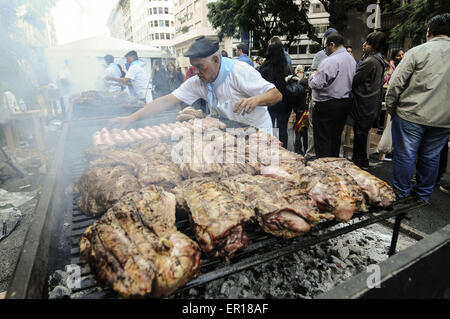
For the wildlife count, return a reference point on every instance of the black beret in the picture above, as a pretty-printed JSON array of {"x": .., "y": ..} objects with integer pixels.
[{"x": 202, "y": 48}]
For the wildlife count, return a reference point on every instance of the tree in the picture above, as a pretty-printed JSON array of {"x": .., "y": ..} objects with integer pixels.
[
  {"x": 338, "y": 11},
  {"x": 265, "y": 18},
  {"x": 413, "y": 17}
]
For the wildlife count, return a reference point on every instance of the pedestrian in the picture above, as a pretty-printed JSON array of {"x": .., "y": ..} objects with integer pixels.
[
  {"x": 232, "y": 89},
  {"x": 160, "y": 80},
  {"x": 444, "y": 185},
  {"x": 136, "y": 79},
  {"x": 349, "y": 49},
  {"x": 173, "y": 77},
  {"x": 258, "y": 62},
  {"x": 331, "y": 87},
  {"x": 278, "y": 40},
  {"x": 318, "y": 58},
  {"x": 113, "y": 70},
  {"x": 189, "y": 73},
  {"x": 242, "y": 53},
  {"x": 417, "y": 99},
  {"x": 367, "y": 89},
  {"x": 274, "y": 70},
  {"x": 396, "y": 58},
  {"x": 301, "y": 112}
]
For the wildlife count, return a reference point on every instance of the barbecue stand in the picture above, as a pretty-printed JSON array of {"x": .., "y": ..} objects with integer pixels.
[{"x": 52, "y": 241}]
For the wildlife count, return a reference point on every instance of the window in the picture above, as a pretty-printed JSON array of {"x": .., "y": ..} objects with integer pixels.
[
  {"x": 167, "y": 36},
  {"x": 161, "y": 35},
  {"x": 318, "y": 8},
  {"x": 150, "y": 11},
  {"x": 153, "y": 36},
  {"x": 302, "y": 49},
  {"x": 155, "y": 10},
  {"x": 156, "y": 36},
  {"x": 161, "y": 23},
  {"x": 166, "y": 23},
  {"x": 160, "y": 10},
  {"x": 293, "y": 49},
  {"x": 155, "y": 23},
  {"x": 171, "y": 24},
  {"x": 166, "y": 10}
]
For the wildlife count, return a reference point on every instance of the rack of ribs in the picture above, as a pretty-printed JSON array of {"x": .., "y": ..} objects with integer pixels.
[
  {"x": 376, "y": 191},
  {"x": 136, "y": 249},
  {"x": 217, "y": 216}
]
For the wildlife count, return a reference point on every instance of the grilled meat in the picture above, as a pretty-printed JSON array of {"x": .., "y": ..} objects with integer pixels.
[
  {"x": 217, "y": 216},
  {"x": 136, "y": 249},
  {"x": 100, "y": 187},
  {"x": 334, "y": 191},
  {"x": 376, "y": 191},
  {"x": 282, "y": 208},
  {"x": 189, "y": 113}
]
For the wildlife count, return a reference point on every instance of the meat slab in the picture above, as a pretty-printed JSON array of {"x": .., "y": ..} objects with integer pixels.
[{"x": 136, "y": 249}]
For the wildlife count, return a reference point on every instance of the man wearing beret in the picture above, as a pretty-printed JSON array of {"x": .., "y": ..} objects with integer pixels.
[{"x": 233, "y": 89}]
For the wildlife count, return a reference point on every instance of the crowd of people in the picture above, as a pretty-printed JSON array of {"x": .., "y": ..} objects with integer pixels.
[{"x": 337, "y": 90}]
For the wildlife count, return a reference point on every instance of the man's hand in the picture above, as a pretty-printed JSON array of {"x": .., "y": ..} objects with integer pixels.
[
  {"x": 246, "y": 105},
  {"x": 122, "y": 121}
]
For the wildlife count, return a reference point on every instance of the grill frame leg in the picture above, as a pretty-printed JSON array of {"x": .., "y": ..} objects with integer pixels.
[{"x": 395, "y": 232}]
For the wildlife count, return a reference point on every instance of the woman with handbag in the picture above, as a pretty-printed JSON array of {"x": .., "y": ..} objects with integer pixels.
[
  {"x": 274, "y": 70},
  {"x": 367, "y": 89}
]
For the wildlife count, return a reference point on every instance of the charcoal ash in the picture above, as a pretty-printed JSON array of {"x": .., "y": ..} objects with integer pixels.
[{"x": 304, "y": 274}]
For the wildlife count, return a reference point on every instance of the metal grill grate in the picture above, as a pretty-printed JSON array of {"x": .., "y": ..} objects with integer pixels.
[{"x": 261, "y": 247}]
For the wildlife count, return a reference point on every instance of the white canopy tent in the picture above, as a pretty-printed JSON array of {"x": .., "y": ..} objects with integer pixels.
[{"x": 82, "y": 61}]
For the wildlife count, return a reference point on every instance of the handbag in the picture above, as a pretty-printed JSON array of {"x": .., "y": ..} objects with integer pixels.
[{"x": 293, "y": 93}]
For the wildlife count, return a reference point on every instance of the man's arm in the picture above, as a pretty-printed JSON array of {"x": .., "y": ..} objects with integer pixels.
[
  {"x": 398, "y": 82},
  {"x": 125, "y": 81},
  {"x": 271, "y": 97},
  {"x": 325, "y": 75},
  {"x": 153, "y": 107}
]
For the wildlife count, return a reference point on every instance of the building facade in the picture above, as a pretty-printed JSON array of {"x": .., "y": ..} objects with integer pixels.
[
  {"x": 149, "y": 22},
  {"x": 191, "y": 22},
  {"x": 303, "y": 50}
]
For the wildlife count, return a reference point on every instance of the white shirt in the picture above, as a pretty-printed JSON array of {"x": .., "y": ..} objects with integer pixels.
[
  {"x": 243, "y": 82},
  {"x": 139, "y": 80},
  {"x": 112, "y": 86}
]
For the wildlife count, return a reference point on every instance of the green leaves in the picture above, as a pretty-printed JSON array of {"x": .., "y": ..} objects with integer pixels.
[
  {"x": 414, "y": 17},
  {"x": 265, "y": 18}
]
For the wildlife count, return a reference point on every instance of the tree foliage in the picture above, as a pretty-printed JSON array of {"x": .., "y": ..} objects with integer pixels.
[
  {"x": 265, "y": 18},
  {"x": 338, "y": 11},
  {"x": 411, "y": 17},
  {"x": 414, "y": 17},
  {"x": 15, "y": 48}
]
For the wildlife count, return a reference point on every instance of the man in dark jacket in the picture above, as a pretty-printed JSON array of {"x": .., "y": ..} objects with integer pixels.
[{"x": 367, "y": 89}]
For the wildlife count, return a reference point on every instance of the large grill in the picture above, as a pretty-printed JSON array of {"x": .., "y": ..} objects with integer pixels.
[{"x": 76, "y": 137}]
